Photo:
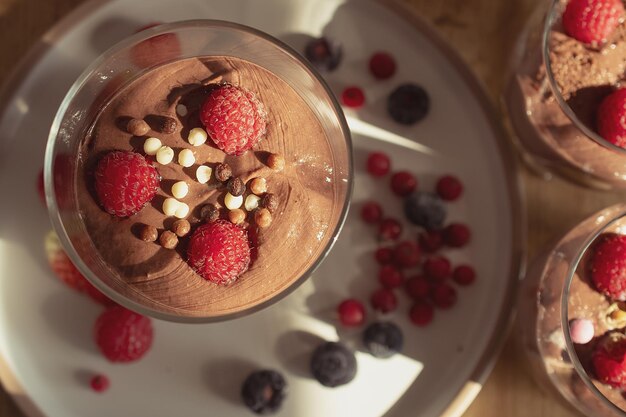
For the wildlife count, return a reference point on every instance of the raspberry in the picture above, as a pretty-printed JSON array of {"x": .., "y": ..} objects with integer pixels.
[
  {"x": 389, "y": 229},
  {"x": 449, "y": 188},
  {"x": 608, "y": 266},
  {"x": 353, "y": 97},
  {"x": 431, "y": 240},
  {"x": 351, "y": 312},
  {"x": 378, "y": 164},
  {"x": 155, "y": 50},
  {"x": 371, "y": 212},
  {"x": 234, "y": 118},
  {"x": 384, "y": 300},
  {"x": 417, "y": 287},
  {"x": 125, "y": 182},
  {"x": 382, "y": 65},
  {"x": 406, "y": 254},
  {"x": 421, "y": 314},
  {"x": 456, "y": 235},
  {"x": 464, "y": 275},
  {"x": 324, "y": 54},
  {"x": 437, "y": 268},
  {"x": 408, "y": 104},
  {"x": 219, "y": 252},
  {"x": 592, "y": 21},
  {"x": 384, "y": 256},
  {"x": 264, "y": 391},
  {"x": 99, "y": 383},
  {"x": 443, "y": 295},
  {"x": 611, "y": 118},
  {"x": 609, "y": 359},
  {"x": 123, "y": 335},
  {"x": 390, "y": 277},
  {"x": 403, "y": 183}
]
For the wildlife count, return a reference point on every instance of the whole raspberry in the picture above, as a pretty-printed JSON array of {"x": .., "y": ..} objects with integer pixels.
[
  {"x": 378, "y": 164},
  {"x": 384, "y": 256},
  {"x": 431, "y": 240},
  {"x": 418, "y": 287},
  {"x": 592, "y": 21},
  {"x": 611, "y": 118},
  {"x": 382, "y": 65},
  {"x": 219, "y": 252},
  {"x": 353, "y": 97},
  {"x": 464, "y": 275},
  {"x": 384, "y": 300},
  {"x": 406, "y": 254},
  {"x": 403, "y": 183},
  {"x": 609, "y": 359},
  {"x": 123, "y": 335},
  {"x": 351, "y": 312},
  {"x": 449, "y": 188},
  {"x": 608, "y": 266},
  {"x": 437, "y": 268},
  {"x": 443, "y": 295},
  {"x": 390, "y": 277},
  {"x": 389, "y": 229},
  {"x": 125, "y": 182},
  {"x": 234, "y": 118},
  {"x": 457, "y": 235},
  {"x": 371, "y": 212},
  {"x": 421, "y": 314}
]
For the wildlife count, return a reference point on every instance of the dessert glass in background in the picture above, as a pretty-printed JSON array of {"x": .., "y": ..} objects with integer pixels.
[
  {"x": 558, "y": 303},
  {"x": 555, "y": 87},
  {"x": 118, "y": 68}
]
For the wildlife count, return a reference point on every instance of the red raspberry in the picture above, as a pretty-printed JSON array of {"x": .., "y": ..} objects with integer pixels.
[
  {"x": 403, "y": 183},
  {"x": 456, "y": 235},
  {"x": 353, "y": 97},
  {"x": 219, "y": 252},
  {"x": 40, "y": 188},
  {"x": 406, "y": 254},
  {"x": 592, "y": 21},
  {"x": 390, "y": 277},
  {"x": 464, "y": 275},
  {"x": 437, "y": 268},
  {"x": 371, "y": 212},
  {"x": 608, "y": 266},
  {"x": 443, "y": 295},
  {"x": 99, "y": 383},
  {"x": 609, "y": 359},
  {"x": 156, "y": 50},
  {"x": 384, "y": 300},
  {"x": 389, "y": 229},
  {"x": 378, "y": 164},
  {"x": 234, "y": 118},
  {"x": 449, "y": 188},
  {"x": 431, "y": 240},
  {"x": 421, "y": 313},
  {"x": 611, "y": 118},
  {"x": 351, "y": 312},
  {"x": 382, "y": 65},
  {"x": 125, "y": 182},
  {"x": 384, "y": 256},
  {"x": 123, "y": 335},
  {"x": 418, "y": 287}
]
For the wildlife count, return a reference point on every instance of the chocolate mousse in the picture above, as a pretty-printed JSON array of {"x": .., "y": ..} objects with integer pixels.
[{"x": 298, "y": 207}]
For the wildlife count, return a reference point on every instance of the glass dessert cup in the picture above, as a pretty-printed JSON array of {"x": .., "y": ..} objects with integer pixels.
[
  {"x": 555, "y": 86},
  {"x": 125, "y": 64},
  {"x": 556, "y": 290}
]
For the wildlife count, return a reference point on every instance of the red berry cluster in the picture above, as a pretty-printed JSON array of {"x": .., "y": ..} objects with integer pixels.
[{"x": 382, "y": 66}]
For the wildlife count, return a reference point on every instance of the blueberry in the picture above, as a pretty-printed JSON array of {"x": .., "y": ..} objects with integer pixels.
[
  {"x": 408, "y": 104},
  {"x": 332, "y": 364},
  {"x": 324, "y": 54},
  {"x": 383, "y": 339},
  {"x": 264, "y": 391},
  {"x": 425, "y": 209}
]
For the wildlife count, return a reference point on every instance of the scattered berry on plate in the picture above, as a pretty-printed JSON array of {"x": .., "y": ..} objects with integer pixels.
[
  {"x": 581, "y": 331},
  {"x": 425, "y": 209},
  {"x": 390, "y": 277},
  {"x": 443, "y": 295},
  {"x": 99, "y": 383},
  {"x": 264, "y": 391},
  {"x": 421, "y": 313},
  {"x": 431, "y": 240},
  {"x": 610, "y": 118},
  {"x": 384, "y": 300},
  {"x": 406, "y": 254},
  {"x": 592, "y": 21},
  {"x": 383, "y": 339},
  {"x": 437, "y": 268},
  {"x": 353, "y": 97},
  {"x": 384, "y": 256},
  {"x": 324, "y": 53},
  {"x": 464, "y": 275},
  {"x": 449, "y": 188},
  {"x": 608, "y": 266},
  {"x": 403, "y": 183},
  {"x": 456, "y": 235},
  {"x": 351, "y": 312},
  {"x": 609, "y": 359},
  {"x": 123, "y": 335},
  {"x": 408, "y": 104},
  {"x": 371, "y": 212},
  {"x": 333, "y": 364},
  {"x": 382, "y": 65},
  {"x": 389, "y": 229},
  {"x": 378, "y": 164},
  {"x": 418, "y": 287}
]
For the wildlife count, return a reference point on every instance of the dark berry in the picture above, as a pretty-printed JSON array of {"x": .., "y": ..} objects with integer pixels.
[
  {"x": 456, "y": 235},
  {"x": 425, "y": 209},
  {"x": 383, "y": 339},
  {"x": 99, "y": 383},
  {"x": 406, "y": 254},
  {"x": 384, "y": 300},
  {"x": 403, "y": 183},
  {"x": 324, "y": 54},
  {"x": 417, "y": 287},
  {"x": 437, "y": 268},
  {"x": 421, "y": 314},
  {"x": 408, "y": 104},
  {"x": 443, "y": 295},
  {"x": 371, "y": 212},
  {"x": 378, "y": 164},
  {"x": 263, "y": 391},
  {"x": 464, "y": 275},
  {"x": 384, "y": 256},
  {"x": 389, "y": 229},
  {"x": 351, "y": 312},
  {"x": 353, "y": 97},
  {"x": 390, "y": 277},
  {"x": 449, "y": 188},
  {"x": 332, "y": 364},
  {"x": 382, "y": 65},
  {"x": 431, "y": 240}
]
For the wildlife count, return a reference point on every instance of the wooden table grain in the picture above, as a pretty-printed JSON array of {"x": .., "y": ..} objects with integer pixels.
[{"x": 484, "y": 32}]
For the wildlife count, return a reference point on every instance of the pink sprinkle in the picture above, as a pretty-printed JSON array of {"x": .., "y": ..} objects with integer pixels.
[
  {"x": 581, "y": 331},
  {"x": 99, "y": 383}
]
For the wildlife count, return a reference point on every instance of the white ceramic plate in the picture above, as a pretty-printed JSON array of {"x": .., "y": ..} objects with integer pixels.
[{"x": 46, "y": 330}]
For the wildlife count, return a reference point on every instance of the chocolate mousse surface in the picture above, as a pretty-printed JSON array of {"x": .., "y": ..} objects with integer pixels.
[{"x": 302, "y": 225}]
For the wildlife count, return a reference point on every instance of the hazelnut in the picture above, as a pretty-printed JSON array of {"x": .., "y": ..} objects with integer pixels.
[
  {"x": 236, "y": 187},
  {"x": 148, "y": 233},
  {"x": 137, "y": 127},
  {"x": 223, "y": 172},
  {"x": 166, "y": 125},
  {"x": 263, "y": 217},
  {"x": 236, "y": 216},
  {"x": 168, "y": 240},
  {"x": 270, "y": 202},
  {"x": 181, "y": 227},
  {"x": 209, "y": 213},
  {"x": 258, "y": 186},
  {"x": 276, "y": 162}
]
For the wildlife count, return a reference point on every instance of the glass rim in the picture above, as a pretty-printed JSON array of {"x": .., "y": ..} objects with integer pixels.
[{"x": 53, "y": 209}]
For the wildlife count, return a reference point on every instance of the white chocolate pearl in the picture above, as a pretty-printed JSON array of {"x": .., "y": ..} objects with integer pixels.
[
  {"x": 181, "y": 110},
  {"x": 252, "y": 202},
  {"x": 170, "y": 206},
  {"x": 186, "y": 158},
  {"x": 182, "y": 211},
  {"x": 233, "y": 202},
  {"x": 197, "y": 136},
  {"x": 203, "y": 174},
  {"x": 165, "y": 155},
  {"x": 151, "y": 146},
  {"x": 180, "y": 189}
]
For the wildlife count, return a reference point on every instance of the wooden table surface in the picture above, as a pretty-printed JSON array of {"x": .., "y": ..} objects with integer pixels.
[{"x": 484, "y": 31}]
